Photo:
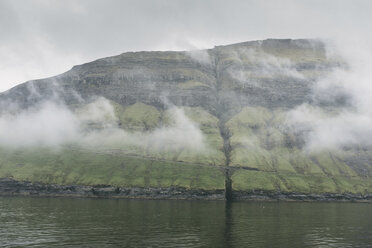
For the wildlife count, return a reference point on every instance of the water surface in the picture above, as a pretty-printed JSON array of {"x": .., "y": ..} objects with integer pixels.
[{"x": 66, "y": 222}]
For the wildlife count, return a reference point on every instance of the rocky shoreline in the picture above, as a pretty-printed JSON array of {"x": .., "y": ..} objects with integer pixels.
[
  {"x": 297, "y": 196},
  {"x": 11, "y": 187}
]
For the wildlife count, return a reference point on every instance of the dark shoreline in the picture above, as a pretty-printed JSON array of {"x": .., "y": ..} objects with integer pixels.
[{"x": 11, "y": 187}]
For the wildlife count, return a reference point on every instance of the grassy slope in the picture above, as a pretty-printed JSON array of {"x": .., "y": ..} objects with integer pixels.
[
  {"x": 125, "y": 164},
  {"x": 260, "y": 140},
  {"x": 145, "y": 118},
  {"x": 69, "y": 166}
]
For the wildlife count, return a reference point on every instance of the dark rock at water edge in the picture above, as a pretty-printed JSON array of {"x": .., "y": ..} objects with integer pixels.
[
  {"x": 297, "y": 196},
  {"x": 10, "y": 187}
]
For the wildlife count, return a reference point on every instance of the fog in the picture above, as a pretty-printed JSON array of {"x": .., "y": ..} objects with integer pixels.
[
  {"x": 348, "y": 125},
  {"x": 340, "y": 113},
  {"x": 200, "y": 56},
  {"x": 94, "y": 125},
  {"x": 181, "y": 133},
  {"x": 261, "y": 65},
  {"x": 49, "y": 124},
  {"x": 43, "y": 38}
]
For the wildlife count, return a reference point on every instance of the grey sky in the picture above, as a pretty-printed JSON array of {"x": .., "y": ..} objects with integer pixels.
[{"x": 40, "y": 38}]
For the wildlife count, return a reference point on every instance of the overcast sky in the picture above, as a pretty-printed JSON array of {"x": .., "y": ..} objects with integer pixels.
[{"x": 40, "y": 38}]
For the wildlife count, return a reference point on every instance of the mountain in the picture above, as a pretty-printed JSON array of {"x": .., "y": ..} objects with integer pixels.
[{"x": 197, "y": 124}]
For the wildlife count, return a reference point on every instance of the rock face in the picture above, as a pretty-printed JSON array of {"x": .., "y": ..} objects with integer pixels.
[
  {"x": 238, "y": 95},
  {"x": 11, "y": 187},
  {"x": 259, "y": 73}
]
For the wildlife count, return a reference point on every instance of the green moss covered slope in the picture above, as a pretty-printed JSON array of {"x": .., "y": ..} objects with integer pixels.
[{"x": 193, "y": 120}]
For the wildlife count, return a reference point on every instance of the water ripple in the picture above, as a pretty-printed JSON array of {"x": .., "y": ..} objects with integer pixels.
[{"x": 63, "y": 222}]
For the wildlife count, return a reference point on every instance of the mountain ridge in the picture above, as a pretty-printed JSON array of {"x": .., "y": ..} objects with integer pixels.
[{"x": 237, "y": 95}]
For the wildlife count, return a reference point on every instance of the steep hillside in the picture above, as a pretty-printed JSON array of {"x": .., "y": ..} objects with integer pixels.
[{"x": 210, "y": 120}]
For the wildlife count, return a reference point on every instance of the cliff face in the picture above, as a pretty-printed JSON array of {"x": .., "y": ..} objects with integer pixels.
[
  {"x": 238, "y": 96},
  {"x": 260, "y": 73}
]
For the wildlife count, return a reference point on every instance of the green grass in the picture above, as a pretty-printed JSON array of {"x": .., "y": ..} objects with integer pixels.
[
  {"x": 250, "y": 117},
  {"x": 208, "y": 125},
  {"x": 138, "y": 117},
  {"x": 255, "y": 180},
  {"x": 69, "y": 166},
  {"x": 245, "y": 180},
  {"x": 259, "y": 141},
  {"x": 141, "y": 120}
]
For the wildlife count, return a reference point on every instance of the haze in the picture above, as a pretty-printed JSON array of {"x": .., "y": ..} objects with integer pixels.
[{"x": 43, "y": 38}]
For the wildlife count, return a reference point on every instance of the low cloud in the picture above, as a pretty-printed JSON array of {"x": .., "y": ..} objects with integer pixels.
[
  {"x": 94, "y": 125},
  {"x": 261, "y": 64},
  {"x": 49, "y": 124},
  {"x": 348, "y": 91},
  {"x": 200, "y": 56}
]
